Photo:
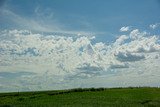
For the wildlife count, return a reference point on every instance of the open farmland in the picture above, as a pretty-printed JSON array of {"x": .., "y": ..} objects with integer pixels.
[{"x": 90, "y": 97}]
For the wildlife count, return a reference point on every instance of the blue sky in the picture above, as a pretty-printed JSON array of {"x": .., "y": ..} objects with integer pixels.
[
  {"x": 88, "y": 15},
  {"x": 57, "y": 43},
  {"x": 100, "y": 17}
]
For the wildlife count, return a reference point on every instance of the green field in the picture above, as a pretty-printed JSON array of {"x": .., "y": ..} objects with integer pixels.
[{"x": 91, "y": 97}]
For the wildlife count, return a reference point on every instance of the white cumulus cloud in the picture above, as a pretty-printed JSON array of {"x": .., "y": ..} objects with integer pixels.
[
  {"x": 124, "y": 29},
  {"x": 154, "y": 26}
]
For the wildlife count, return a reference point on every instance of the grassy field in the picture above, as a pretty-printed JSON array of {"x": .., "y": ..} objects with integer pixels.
[{"x": 113, "y": 97}]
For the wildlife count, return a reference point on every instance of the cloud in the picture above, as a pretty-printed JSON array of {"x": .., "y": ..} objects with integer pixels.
[
  {"x": 154, "y": 26},
  {"x": 44, "y": 13},
  {"x": 129, "y": 56},
  {"x": 57, "y": 59},
  {"x": 15, "y": 74},
  {"x": 89, "y": 67},
  {"x": 119, "y": 66},
  {"x": 23, "y": 43},
  {"x": 68, "y": 53},
  {"x": 28, "y": 23},
  {"x": 121, "y": 39},
  {"x": 136, "y": 34},
  {"x": 43, "y": 21},
  {"x": 124, "y": 29}
]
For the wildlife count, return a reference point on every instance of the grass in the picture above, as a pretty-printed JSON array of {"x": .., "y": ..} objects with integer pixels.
[{"x": 91, "y": 97}]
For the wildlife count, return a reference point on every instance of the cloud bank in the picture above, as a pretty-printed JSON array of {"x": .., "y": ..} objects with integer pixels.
[{"x": 57, "y": 61}]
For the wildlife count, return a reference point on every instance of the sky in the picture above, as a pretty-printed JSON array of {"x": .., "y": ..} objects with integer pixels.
[{"x": 62, "y": 44}]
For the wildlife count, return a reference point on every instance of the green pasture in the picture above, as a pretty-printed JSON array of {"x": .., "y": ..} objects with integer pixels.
[{"x": 90, "y": 97}]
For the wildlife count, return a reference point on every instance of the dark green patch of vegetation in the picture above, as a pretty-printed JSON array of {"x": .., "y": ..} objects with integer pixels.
[{"x": 88, "y": 97}]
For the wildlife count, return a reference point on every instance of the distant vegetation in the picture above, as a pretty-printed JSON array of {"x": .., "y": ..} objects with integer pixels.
[{"x": 87, "y": 97}]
